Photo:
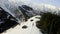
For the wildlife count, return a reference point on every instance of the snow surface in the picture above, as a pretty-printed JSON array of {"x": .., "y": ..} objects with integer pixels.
[{"x": 31, "y": 27}]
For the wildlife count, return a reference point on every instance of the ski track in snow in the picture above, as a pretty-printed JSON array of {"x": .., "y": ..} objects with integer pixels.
[{"x": 31, "y": 27}]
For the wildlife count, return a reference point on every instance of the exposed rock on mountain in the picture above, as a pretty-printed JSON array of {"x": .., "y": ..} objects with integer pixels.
[{"x": 6, "y": 20}]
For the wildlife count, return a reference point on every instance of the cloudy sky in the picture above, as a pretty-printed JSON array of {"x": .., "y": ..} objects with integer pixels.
[{"x": 52, "y": 2}]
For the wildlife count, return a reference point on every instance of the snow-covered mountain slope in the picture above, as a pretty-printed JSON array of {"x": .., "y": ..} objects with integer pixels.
[
  {"x": 28, "y": 27},
  {"x": 12, "y": 7},
  {"x": 38, "y": 9}
]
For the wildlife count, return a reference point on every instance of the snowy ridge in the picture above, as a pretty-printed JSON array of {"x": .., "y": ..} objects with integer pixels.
[
  {"x": 45, "y": 8},
  {"x": 38, "y": 9}
]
